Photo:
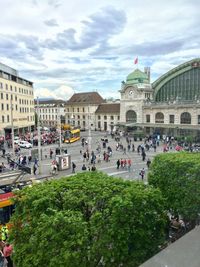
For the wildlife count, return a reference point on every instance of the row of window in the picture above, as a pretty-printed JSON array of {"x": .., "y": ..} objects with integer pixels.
[
  {"x": 7, "y": 118},
  {"x": 15, "y": 108},
  {"x": 21, "y": 101},
  {"x": 48, "y": 110},
  {"x": 77, "y": 109},
  {"x": 50, "y": 117},
  {"x": 185, "y": 118},
  {"x": 105, "y": 117},
  {"x": 15, "y": 89}
]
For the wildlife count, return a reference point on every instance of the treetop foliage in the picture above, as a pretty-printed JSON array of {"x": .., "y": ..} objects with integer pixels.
[
  {"x": 177, "y": 175},
  {"x": 86, "y": 220}
]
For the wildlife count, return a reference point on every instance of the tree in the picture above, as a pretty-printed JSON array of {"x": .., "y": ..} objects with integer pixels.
[
  {"x": 177, "y": 175},
  {"x": 87, "y": 220}
]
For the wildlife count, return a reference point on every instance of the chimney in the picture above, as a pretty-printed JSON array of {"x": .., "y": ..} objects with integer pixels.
[{"x": 147, "y": 70}]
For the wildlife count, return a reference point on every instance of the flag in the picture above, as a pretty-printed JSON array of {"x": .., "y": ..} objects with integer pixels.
[{"x": 136, "y": 60}]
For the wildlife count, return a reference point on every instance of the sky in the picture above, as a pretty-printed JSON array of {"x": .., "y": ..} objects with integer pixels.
[{"x": 67, "y": 47}]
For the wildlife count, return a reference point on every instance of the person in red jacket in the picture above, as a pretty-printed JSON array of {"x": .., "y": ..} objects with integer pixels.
[{"x": 7, "y": 251}]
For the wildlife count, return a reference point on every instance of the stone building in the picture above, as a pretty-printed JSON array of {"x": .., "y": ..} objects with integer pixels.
[
  {"x": 107, "y": 116},
  {"x": 51, "y": 111},
  {"x": 170, "y": 105},
  {"x": 15, "y": 92},
  {"x": 81, "y": 108}
]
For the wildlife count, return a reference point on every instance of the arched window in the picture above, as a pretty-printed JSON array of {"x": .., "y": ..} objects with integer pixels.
[
  {"x": 131, "y": 116},
  {"x": 159, "y": 118},
  {"x": 185, "y": 118}
]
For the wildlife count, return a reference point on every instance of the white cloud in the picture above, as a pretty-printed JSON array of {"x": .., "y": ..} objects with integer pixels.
[
  {"x": 93, "y": 45},
  {"x": 63, "y": 92}
]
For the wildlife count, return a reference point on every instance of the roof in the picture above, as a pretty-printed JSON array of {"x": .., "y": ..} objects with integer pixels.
[
  {"x": 86, "y": 98},
  {"x": 182, "y": 253},
  {"x": 108, "y": 108},
  {"x": 50, "y": 101},
  {"x": 137, "y": 76}
]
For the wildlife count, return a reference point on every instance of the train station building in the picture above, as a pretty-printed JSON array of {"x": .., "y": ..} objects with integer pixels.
[{"x": 169, "y": 106}]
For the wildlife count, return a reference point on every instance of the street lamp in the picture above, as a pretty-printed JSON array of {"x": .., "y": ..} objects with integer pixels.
[
  {"x": 39, "y": 135},
  {"x": 12, "y": 126}
]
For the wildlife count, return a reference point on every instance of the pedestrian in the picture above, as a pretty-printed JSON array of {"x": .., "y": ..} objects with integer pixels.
[
  {"x": 148, "y": 163},
  {"x": 2, "y": 259},
  {"x": 142, "y": 173},
  {"x": 34, "y": 168},
  {"x": 84, "y": 167},
  {"x": 73, "y": 167},
  {"x": 93, "y": 168},
  {"x": 7, "y": 251},
  {"x": 129, "y": 164},
  {"x": 51, "y": 153},
  {"x": 118, "y": 164}
]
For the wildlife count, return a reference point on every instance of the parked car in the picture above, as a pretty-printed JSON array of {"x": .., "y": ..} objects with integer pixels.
[
  {"x": 16, "y": 140},
  {"x": 25, "y": 144}
]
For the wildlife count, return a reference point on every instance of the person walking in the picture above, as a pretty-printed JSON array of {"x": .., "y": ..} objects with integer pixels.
[
  {"x": 148, "y": 163},
  {"x": 142, "y": 173},
  {"x": 118, "y": 164},
  {"x": 73, "y": 167},
  {"x": 7, "y": 251}
]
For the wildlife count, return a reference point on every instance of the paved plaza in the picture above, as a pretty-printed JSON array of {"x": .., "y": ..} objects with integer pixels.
[{"x": 109, "y": 167}]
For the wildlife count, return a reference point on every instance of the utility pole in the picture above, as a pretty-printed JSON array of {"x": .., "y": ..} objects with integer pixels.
[
  {"x": 12, "y": 126},
  {"x": 89, "y": 131},
  {"x": 59, "y": 127},
  {"x": 39, "y": 135}
]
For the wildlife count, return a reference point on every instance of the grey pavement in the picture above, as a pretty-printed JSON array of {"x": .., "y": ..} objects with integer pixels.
[{"x": 108, "y": 167}]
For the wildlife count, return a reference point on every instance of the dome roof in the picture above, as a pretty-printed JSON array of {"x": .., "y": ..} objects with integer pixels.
[{"x": 137, "y": 76}]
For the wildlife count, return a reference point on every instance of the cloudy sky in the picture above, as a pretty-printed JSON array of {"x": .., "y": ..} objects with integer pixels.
[{"x": 90, "y": 45}]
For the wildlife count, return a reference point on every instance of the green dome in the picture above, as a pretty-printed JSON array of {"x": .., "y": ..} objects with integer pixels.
[{"x": 137, "y": 76}]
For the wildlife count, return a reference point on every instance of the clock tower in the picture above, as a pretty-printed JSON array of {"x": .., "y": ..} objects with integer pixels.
[{"x": 134, "y": 92}]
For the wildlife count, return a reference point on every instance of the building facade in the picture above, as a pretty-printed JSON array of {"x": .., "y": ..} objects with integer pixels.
[
  {"x": 51, "y": 112},
  {"x": 169, "y": 106},
  {"x": 16, "y": 102},
  {"x": 107, "y": 116},
  {"x": 81, "y": 108}
]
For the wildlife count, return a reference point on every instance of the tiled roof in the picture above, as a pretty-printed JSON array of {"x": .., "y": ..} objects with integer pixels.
[
  {"x": 86, "y": 98},
  {"x": 108, "y": 108}
]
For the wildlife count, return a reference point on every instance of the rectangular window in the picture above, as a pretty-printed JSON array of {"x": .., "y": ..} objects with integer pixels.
[
  {"x": 105, "y": 117},
  {"x": 8, "y": 119},
  {"x": 118, "y": 117},
  {"x": 1, "y": 85},
  {"x": 148, "y": 118},
  {"x": 6, "y": 86},
  {"x": 112, "y": 118},
  {"x": 83, "y": 109},
  {"x": 171, "y": 118},
  {"x": 6, "y": 96},
  {"x": 16, "y": 107},
  {"x": 3, "y": 119},
  {"x": 198, "y": 119},
  {"x": 77, "y": 109},
  {"x": 7, "y": 106},
  {"x": 11, "y": 88},
  {"x": 1, "y": 95},
  {"x": 2, "y": 106},
  {"x": 99, "y": 125},
  {"x": 99, "y": 117}
]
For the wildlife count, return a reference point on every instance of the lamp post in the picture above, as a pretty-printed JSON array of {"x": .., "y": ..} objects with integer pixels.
[
  {"x": 12, "y": 126},
  {"x": 89, "y": 131},
  {"x": 59, "y": 128},
  {"x": 39, "y": 135}
]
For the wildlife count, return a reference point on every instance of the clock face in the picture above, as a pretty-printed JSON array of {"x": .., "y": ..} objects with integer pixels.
[{"x": 130, "y": 92}]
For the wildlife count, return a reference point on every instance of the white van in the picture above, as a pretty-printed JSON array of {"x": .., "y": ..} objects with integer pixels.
[{"x": 25, "y": 144}]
